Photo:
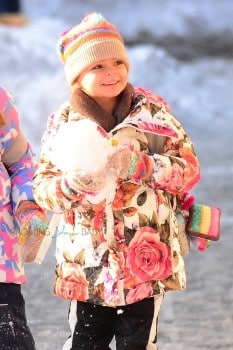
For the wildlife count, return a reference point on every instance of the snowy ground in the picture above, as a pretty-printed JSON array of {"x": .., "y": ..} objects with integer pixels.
[{"x": 191, "y": 66}]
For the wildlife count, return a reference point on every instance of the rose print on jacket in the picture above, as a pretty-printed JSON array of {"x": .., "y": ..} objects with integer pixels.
[
  {"x": 148, "y": 258},
  {"x": 71, "y": 282},
  {"x": 140, "y": 292}
]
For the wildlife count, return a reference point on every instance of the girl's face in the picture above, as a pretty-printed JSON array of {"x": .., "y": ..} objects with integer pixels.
[{"x": 104, "y": 79}]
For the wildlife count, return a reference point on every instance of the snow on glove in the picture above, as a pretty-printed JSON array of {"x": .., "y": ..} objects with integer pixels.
[
  {"x": 33, "y": 225},
  {"x": 128, "y": 163},
  {"x": 76, "y": 181}
]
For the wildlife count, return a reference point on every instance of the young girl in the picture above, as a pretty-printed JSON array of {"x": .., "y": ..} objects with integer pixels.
[
  {"x": 17, "y": 207},
  {"x": 117, "y": 165}
]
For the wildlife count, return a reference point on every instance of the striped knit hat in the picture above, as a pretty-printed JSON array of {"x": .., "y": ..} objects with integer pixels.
[{"x": 92, "y": 40}]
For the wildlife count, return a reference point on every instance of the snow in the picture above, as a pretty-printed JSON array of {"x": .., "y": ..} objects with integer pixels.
[
  {"x": 182, "y": 50},
  {"x": 76, "y": 142}
]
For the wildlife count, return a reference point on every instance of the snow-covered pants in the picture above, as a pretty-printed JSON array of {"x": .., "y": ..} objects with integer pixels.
[
  {"x": 134, "y": 326},
  {"x": 14, "y": 332}
]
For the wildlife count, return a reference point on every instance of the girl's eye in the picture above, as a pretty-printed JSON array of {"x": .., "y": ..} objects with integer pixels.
[
  {"x": 118, "y": 62},
  {"x": 97, "y": 67}
]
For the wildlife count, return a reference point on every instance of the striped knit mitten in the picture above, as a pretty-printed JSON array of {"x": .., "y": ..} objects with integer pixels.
[{"x": 33, "y": 225}]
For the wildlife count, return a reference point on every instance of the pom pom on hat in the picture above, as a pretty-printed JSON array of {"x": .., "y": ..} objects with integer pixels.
[{"x": 92, "y": 40}]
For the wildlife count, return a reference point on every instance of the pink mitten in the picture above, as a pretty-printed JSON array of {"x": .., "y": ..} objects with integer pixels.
[
  {"x": 128, "y": 163},
  {"x": 120, "y": 161},
  {"x": 76, "y": 181}
]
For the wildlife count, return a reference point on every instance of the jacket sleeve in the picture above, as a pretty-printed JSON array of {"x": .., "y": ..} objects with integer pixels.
[
  {"x": 48, "y": 178},
  {"x": 176, "y": 168},
  {"x": 171, "y": 163},
  {"x": 17, "y": 155}
]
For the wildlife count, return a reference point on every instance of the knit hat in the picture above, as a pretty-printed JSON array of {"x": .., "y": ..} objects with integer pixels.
[{"x": 92, "y": 40}]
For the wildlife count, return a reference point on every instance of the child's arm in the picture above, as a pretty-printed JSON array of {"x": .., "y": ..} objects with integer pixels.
[
  {"x": 20, "y": 164},
  {"x": 177, "y": 170},
  {"x": 176, "y": 167},
  {"x": 52, "y": 188},
  {"x": 17, "y": 155},
  {"x": 171, "y": 165}
]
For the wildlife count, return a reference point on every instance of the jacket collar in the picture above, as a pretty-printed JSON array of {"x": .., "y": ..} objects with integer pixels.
[{"x": 86, "y": 107}]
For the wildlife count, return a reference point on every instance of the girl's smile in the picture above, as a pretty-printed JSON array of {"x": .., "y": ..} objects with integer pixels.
[{"x": 104, "y": 81}]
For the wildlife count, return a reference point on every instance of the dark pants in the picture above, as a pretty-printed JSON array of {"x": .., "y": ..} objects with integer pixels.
[
  {"x": 9, "y": 6},
  {"x": 14, "y": 332},
  {"x": 134, "y": 326}
]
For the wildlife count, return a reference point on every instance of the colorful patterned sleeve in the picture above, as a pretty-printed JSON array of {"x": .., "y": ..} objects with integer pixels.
[
  {"x": 47, "y": 179},
  {"x": 176, "y": 167},
  {"x": 21, "y": 174},
  {"x": 22, "y": 170}
]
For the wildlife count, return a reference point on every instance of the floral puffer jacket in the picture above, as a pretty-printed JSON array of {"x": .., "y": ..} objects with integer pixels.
[
  {"x": 15, "y": 186},
  {"x": 122, "y": 251}
]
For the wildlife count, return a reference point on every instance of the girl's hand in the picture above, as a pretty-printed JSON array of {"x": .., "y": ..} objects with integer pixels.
[
  {"x": 81, "y": 181},
  {"x": 119, "y": 162},
  {"x": 33, "y": 227}
]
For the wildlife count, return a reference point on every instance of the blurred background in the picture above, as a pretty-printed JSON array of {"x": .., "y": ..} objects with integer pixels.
[{"x": 182, "y": 50}]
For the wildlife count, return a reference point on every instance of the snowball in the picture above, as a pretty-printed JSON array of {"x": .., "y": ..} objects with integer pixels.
[{"x": 80, "y": 146}]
